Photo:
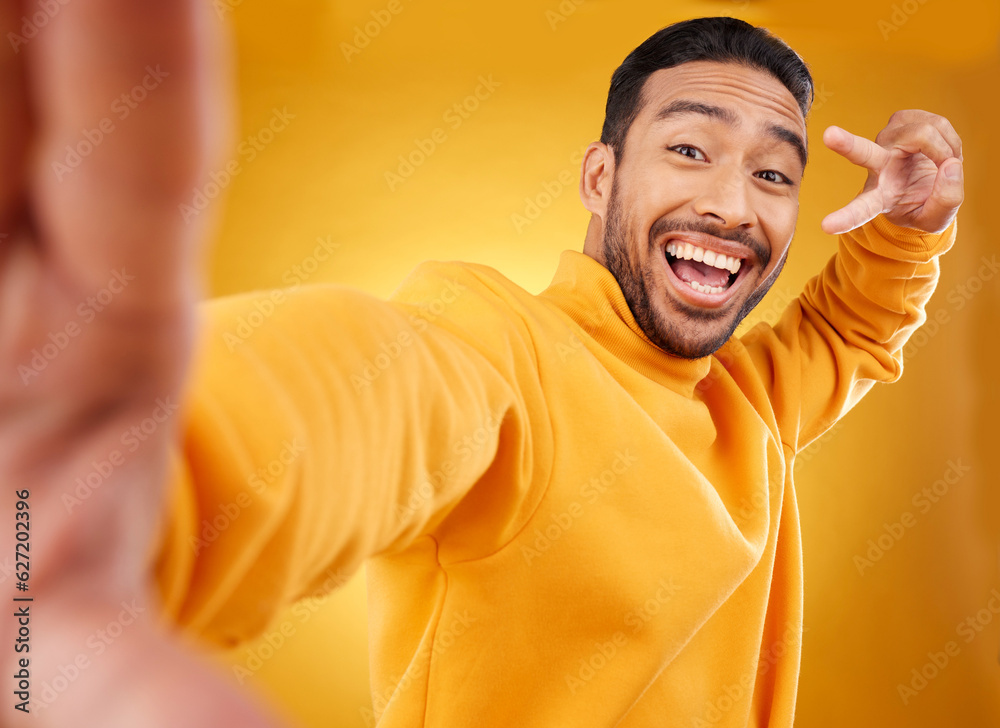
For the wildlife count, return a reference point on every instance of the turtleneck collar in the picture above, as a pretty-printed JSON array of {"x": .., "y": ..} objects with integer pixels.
[{"x": 586, "y": 291}]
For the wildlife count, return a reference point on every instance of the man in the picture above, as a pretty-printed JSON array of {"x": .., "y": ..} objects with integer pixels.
[{"x": 579, "y": 504}]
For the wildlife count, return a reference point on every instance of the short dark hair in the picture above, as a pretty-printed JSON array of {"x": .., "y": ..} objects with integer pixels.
[{"x": 727, "y": 40}]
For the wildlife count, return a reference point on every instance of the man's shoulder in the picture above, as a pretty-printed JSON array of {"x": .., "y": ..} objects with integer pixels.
[{"x": 432, "y": 278}]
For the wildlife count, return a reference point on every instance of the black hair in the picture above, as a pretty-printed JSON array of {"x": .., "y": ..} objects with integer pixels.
[{"x": 726, "y": 40}]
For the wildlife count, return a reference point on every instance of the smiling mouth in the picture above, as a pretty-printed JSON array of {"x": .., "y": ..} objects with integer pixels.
[{"x": 703, "y": 270}]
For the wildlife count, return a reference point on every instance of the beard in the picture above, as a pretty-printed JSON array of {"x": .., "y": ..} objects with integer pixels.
[{"x": 690, "y": 332}]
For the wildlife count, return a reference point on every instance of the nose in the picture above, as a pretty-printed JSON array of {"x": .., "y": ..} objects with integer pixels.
[{"x": 725, "y": 197}]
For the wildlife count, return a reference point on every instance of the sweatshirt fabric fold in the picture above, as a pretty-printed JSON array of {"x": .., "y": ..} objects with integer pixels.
[{"x": 564, "y": 525}]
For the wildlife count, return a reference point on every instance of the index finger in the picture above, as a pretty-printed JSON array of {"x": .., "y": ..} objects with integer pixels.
[{"x": 856, "y": 149}]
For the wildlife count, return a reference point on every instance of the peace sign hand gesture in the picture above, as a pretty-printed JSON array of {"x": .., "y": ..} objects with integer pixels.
[{"x": 914, "y": 173}]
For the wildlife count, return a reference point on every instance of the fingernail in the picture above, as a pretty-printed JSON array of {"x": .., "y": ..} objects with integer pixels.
[{"x": 954, "y": 171}]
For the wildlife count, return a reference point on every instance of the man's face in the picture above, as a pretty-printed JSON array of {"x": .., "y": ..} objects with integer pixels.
[{"x": 704, "y": 201}]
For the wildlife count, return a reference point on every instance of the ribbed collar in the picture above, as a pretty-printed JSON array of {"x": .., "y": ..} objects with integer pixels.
[{"x": 591, "y": 296}]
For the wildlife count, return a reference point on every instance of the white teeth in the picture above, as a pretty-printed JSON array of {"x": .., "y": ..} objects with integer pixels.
[
  {"x": 687, "y": 251},
  {"x": 705, "y": 289}
]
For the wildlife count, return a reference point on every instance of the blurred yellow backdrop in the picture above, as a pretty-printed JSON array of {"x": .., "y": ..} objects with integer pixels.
[{"x": 493, "y": 179}]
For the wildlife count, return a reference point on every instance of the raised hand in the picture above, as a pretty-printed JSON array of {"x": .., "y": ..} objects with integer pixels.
[
  {"x": 114, "y": 110},
  {"x": 914, "y": 173}
]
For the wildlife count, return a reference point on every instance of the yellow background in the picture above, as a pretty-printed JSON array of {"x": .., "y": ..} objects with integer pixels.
[{"x": 324, "y": 175}]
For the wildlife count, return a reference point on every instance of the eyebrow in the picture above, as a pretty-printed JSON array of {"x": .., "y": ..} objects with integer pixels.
[{"x": 727, "y": 116}]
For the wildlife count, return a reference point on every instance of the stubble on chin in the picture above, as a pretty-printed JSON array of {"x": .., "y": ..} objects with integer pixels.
[{"x": 690, "y": 333}]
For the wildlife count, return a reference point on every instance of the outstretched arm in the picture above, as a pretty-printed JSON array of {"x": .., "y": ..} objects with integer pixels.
[
  {"x": 340, "y": 427},
  {"x": 847, "y": 329}
]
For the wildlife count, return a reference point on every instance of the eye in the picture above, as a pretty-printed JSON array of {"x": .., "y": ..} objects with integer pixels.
[
  {"x": 770, "y": 175},
  {"x": 687, "y": 151}
]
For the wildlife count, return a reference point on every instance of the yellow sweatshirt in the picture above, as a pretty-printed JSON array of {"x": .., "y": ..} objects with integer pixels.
[{"x": 569, "y": 527}]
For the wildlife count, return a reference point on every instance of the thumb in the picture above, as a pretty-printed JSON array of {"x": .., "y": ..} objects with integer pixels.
[{"x": 946, "y": 196}]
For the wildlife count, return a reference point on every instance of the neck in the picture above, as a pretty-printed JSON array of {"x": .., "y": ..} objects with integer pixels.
[{"x": 592, "y": 242}]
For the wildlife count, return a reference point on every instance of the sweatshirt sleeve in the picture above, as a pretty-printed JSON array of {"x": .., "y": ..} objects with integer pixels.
[
  {"x": 847, "y": 329},
  {"x": 322, "y": 426}
]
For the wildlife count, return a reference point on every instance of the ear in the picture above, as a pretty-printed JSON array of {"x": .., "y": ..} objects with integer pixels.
[{"x": 596, "y": 176}]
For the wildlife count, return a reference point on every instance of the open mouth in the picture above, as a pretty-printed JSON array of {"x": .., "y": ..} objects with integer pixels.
[{"x": 701, "y": 275}]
